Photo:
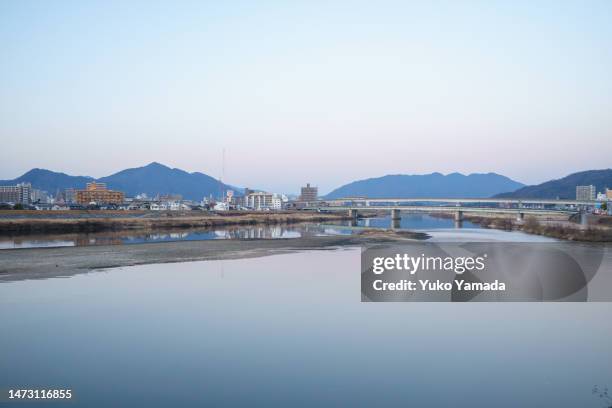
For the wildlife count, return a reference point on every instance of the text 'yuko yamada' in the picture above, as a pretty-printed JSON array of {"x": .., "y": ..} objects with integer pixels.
[{"x": 437, "y": 285}]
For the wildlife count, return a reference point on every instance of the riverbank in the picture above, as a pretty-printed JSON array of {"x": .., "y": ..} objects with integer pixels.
[
  {"x": 43, "y": 263},
  {"x": 55, "y": 222},
  {"x": 598, "y": 229}
]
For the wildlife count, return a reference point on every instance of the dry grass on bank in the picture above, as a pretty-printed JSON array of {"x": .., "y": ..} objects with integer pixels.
[
  {"x": 566, "y": 231},
  {"x": 559, "y": 230},
  {"x": 161, "y": 221}
]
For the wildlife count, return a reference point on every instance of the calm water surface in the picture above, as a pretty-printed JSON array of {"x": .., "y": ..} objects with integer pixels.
[
  {"x": 290, "y": 330},
  {"x": 439, "y": 228}
]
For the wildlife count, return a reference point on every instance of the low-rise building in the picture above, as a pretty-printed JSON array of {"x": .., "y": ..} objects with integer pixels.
[
  {"x": 221, "y": 206},
  {"x": 258, "y": 200},
  {"x": 43, "y": 206},
  {"x": 170, "y": 197},
  {"x": 99, "y": 194},
  {"x": 276, "y": 203}
]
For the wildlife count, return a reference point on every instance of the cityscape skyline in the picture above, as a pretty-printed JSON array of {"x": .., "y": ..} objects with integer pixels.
[
  {"x": 296, "y": 186},
  {"x": 325, "y": 93}
]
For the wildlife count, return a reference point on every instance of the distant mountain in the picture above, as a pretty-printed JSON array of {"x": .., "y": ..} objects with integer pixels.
[
  {"x": 565, "y": 187},
  {"x": 156, "y": 178},
  {"x": 48, "y": 180},
  {"x": 435, "y": 185},
  {"x": 151, "y": 179}
]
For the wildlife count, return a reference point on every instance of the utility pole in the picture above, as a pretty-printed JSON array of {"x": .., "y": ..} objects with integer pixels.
[{"x": 222, "y": 177}]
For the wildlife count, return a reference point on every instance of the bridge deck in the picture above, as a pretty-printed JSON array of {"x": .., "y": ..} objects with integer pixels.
[
  {"x": 419, "y": 208},
  {"x": 509, "y": 201}
]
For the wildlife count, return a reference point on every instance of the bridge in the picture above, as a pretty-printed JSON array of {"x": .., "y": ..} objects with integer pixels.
[
  {"x": 505, "y": 201},
  {"x": 456, "y": 206}
]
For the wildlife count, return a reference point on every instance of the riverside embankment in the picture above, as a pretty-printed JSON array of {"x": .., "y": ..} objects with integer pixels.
[
  {"x": 43, "y": 222},
  {"x": 595, "y": 229}
]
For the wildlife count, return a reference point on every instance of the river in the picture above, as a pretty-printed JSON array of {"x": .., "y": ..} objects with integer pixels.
[
  {"x": 290, "y": 330},
  {"x": 439, "y": 228}
]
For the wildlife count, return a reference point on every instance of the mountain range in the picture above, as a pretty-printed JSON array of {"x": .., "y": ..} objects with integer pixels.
[
  {"x": 152, "y": 179},
  {"x": 564, "y": 188},
  {"x": 434, "y": 185},
  {"x": 156, "y": 178}
]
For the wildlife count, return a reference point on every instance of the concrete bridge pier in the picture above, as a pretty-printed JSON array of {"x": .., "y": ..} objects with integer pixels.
[
  {"x": 459, "y": 216},
  {"x": 396, "y": 219},
  {"x": 353, "y": 217},
  {"x": 584, "y": 220}
]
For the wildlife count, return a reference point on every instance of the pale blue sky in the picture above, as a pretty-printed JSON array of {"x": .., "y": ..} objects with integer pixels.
[{"x": 320, "y": 92}]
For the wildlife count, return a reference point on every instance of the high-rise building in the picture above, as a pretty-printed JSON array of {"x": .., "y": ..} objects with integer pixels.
[
  {"x": 21, "y": 193},
  {"x": 99, "y": 194},
  {"x": 585, "y": 193},
  {"x": 309, "y": 193},
  {"x": 609, "y": 193}
]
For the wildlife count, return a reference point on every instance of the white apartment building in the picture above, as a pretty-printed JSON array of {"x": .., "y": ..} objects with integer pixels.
[
  {"x": 259, "y": 200},
  {"x": 276, "y": 203},
  {"x": 585, "y": 193}
]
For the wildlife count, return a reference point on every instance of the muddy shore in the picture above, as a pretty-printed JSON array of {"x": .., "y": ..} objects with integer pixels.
[{"x": 43, "y": 263}]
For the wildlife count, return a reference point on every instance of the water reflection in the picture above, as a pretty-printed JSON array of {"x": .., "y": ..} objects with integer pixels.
[
  {"x": 130, "y": 237},
  {"x": 438, "y": 227},
  {"x": 289, "y": 330}
]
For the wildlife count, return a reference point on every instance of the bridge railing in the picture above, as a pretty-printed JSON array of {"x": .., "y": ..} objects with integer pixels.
[{"x": 368, "y": 202}]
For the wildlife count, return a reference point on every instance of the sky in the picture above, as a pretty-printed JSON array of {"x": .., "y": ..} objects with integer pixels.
[{"x": 323, "y": 92}]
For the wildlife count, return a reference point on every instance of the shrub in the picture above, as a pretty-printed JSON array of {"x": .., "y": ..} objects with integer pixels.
[{"x": 531, "y": 224}]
